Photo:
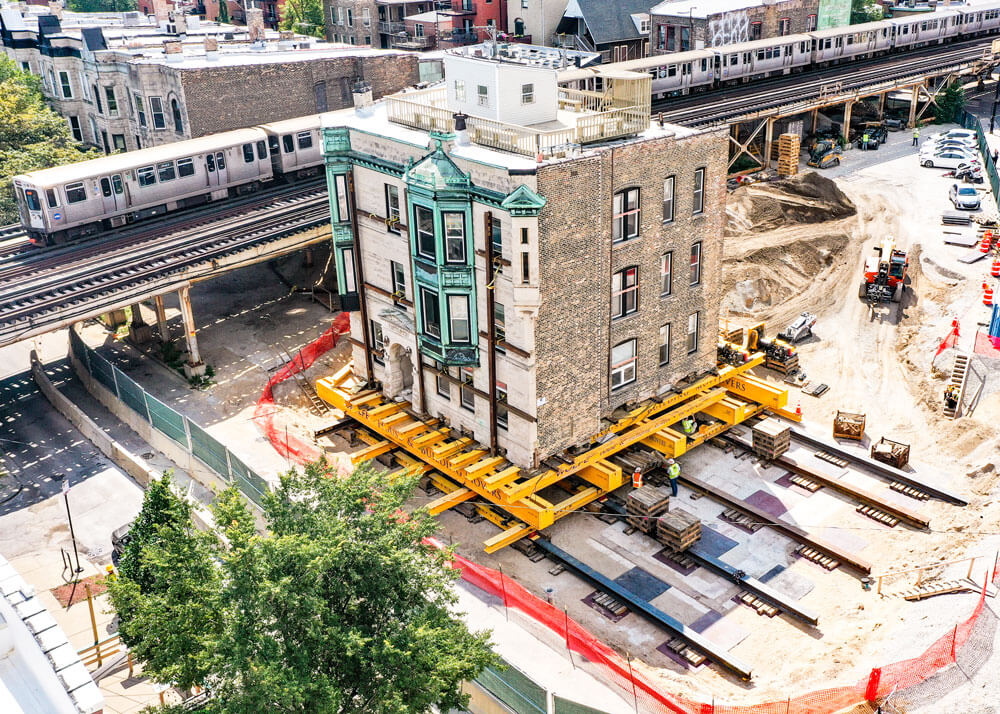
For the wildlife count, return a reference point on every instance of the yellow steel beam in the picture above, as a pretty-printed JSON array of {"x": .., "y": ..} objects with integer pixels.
[
  {"x": 484, "y": 465},
  {"x": 451, "y": 447},
  {"x": 758, "y": 390},
  {"x": 787, "y": 414},
  {"x": 369, "y": 453},
  {"x": 469, "y": 457},
  {"x": 502, "y": 478},
  {"x": 511, "y": 535},
  {"x": 442, "y": 504}
]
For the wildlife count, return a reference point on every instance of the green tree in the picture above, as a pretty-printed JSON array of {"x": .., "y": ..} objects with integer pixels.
[
  {"x": 339, "y": 608},
  {"x": 100, "y": 5},
  {"x": 304, "y": 17},
  {"x": 865, "y": 11},
  {"x": 950, "y": 103},
  {"x": 223, "y": 11},
  {"x": 32, "y": 136}
]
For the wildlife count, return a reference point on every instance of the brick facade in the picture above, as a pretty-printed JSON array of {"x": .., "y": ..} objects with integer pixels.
[
  {"x": 223, "y": 98},
  {"x": 676, "y": 33},
  {"x": 350, "y": 28}
]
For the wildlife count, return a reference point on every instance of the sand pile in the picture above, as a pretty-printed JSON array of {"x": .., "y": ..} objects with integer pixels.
[{"x": 806, "y": 198}]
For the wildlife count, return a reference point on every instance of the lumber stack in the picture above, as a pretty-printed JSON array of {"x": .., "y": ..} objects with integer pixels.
[
  {"x": 678, "y": 529},
  {"x": 891, "y": 452},
  {"x": 644, "y": 505},
  {"x": 848, "y": 426},
  {"x": 788, "y": 154},
  {"x": 771, "y": 438}
]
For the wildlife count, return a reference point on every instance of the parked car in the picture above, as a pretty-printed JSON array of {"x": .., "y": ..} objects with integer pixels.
[
  {"x": 964, "y": 197},
  {"x": 964, "y": 134},
  {"x": 951, "y": 141},
  {"x": 948, "y": 159},
  {"x": 120, "y": 538}
]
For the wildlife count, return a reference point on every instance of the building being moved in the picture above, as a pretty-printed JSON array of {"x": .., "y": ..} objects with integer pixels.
[{"x": 525, "y": 261}]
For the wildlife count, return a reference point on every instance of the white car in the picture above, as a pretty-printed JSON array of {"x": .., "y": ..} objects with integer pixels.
[
  {"x": 949, "y": 158},
  {"x": 950, "y": 143},
  {"x": 963, "y": 134}
]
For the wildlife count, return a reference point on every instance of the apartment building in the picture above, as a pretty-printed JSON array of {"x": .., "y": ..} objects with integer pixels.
[
  {"x": 413, "y": 24},
  {"x": 521, "y": 259},
  {"x": 681, "y": 25},
  {"x": 127, "y": 82}
]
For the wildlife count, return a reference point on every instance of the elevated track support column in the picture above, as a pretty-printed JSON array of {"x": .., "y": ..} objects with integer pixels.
[
  {"x": 848, "y": 106},
  {"x": 768, "y": 139},
  {"x": 914, "y": 98},
  {"x": 139, "y": 331},
  {"x": 161, "y": 319},
  {"x": 194, "y": 367}
]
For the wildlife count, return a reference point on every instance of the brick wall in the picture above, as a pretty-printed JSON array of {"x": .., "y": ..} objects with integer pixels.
[
  {"x": 574, "y": 329},
  {"x": 735, "y": 26},
  {"x": 223, "y": 98},
  {"x": 336, "y": 32}
]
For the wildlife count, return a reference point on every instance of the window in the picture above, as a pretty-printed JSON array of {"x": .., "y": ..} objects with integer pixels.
[
  {"x": 185, "y": 167},
  {"x": 623, "y": 364},
  {"x": 368, "y": 38},
  {"x": 431, "y": 312},
  {"x": 810, "y": 23},
  {"x": 459, "y": 90},
  {"x": 527, "y": 94},
  {"x": 147, "y": 174},
  {"x": 484, "y": 95},
  {"x": 665, "y": 344},
  {"x": 97, "y": 98},
  {"x": 31, "y": 198},
  {"x": 261, "y": 149},
  {"x": 668, "y": 199},
  {"x": 499, "y": 326},
  {"x": 67, "y": 89},
  {"x": 626, "y": 214},
  {"x": 784, "y": 26},
  {"x": 467, "y": 398},
  {"x": 248, "y": 153},
  {"x": 220, "y": 159},
  {"x": 666, "y": 273},
  {"x": 696, "y": 263},
  {"x": 26, "y": 67},
  {"x": 502, "y": 413},
  {"x": 50, "y": 196},
  {"x": 116, "y": 181},
  {"x": 109, "y": 92},
  {"x": 625, "y": 292},
  {"x": 525, "y": 268},
  {"x": 350, "y": 281},
  {"x": 378, "y": 341},
  {"x": 496, "y": 238},
  {"x": 51, "y": 85},
  {"x": 458, "y": 318},
  {"x": 343, "y": 210},
  {"x": 76, "y": 193},
  {"x": 340, "y": 15},
  {"x": 305, "y": 139},
  {"x": 119, "y": 141},
  {"x": 755, "y": 30},
  {"x": 425, "y": 232},
  {"x": 288, "y": 143},
  {"x": 392, "y": 207},
  {"x": 692, "y": 332},
  {"x": 156, "y": 107},
  {"x": 350, "y": 17},
  {"x": 140, "y": 109},
  {"x": 366, "y": 17},
  {"x": 398, "y": 279},
  {"x": 454, "y": 237},
  {"x": 175, "y": 110},
  {"x": 166, "y": 171},
  {"x": 74, "y": 126},
  {"x": 443, "y": 386},
  {"x": 698, "y": 199}
]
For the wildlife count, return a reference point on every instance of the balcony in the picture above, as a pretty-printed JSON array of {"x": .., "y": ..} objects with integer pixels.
[
  {"x": 462, "y": 7},
  {"x": 410, "y": 42},
  {"x": 460, "y": 37},
  {"x": 585, "y": 118},
  {"x": 391, "y": 28}
]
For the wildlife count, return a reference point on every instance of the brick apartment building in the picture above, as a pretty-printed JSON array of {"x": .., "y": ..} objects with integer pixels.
[
  {"x": 681, "y": 25},
  {"x": 126, "y": 85},
  {"x": 412, "y": 24},
  {"x": 518, "y": 265}
]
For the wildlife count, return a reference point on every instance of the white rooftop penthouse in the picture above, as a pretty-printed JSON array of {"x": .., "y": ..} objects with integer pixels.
[{"x": 507, "y": 96}]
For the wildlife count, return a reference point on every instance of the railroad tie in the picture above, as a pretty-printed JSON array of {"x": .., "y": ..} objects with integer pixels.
[
  {"x": 817, "y": 557},
  {"x": 680, "y": 647},
  {"x": 826, "y": 456},
  {"x": 877, "y": 515},
  {"x": 910, "y": 491},
  {"x": 806, "y": 483},
  {"x": 755, "y": 603}
]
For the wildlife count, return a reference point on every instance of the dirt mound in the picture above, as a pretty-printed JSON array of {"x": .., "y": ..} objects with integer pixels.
[{"x": 806, "y": 198}]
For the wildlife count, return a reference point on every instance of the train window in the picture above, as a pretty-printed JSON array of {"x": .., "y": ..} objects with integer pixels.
[
  {"x": 146, "y": 175},
  {"x": 220, "y": 159},
  {"x": 166, "y": 171},
  {"x": 75, "y": 193},
  {"x": 248, "y": 153},
  {"x": 105, "y": 187},
  {"x": 185, "y": 167},
  {"x": 210, "y": 162},
  {"x": 261, "y": 150},
  {"x": 305, "y": 139},
  {"x": 116, "y": 182},
  {"x": 287, "y": 143},
  {"x": 704, "y": 64},
  {"x": 734, "y": 60},
  {"x": 272, "y": 145},
  {"x": 31, "y": 198},
  {"x": 50, "y": 195},
  {"x": 672, "y": 70}
]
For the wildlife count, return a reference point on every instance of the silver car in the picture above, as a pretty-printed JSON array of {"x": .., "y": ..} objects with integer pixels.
[{"x": 964, "y": 197}]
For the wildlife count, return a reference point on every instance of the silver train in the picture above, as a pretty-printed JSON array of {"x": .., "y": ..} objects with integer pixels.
[
  {"x": 85, "y": 198},
  {"x": 695, "y": 70}
]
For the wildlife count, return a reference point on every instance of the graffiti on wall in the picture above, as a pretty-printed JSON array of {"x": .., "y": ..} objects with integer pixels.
[
  {"x": 729, "y": 28},
  {"x": 834, "y": 13}
]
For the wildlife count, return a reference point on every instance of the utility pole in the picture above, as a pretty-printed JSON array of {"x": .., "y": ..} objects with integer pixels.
[{"x": 69, "y": 517}]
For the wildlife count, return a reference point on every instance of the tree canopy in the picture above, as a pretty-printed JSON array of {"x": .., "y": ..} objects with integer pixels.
[
  {"x": 32, "y": 136},
  {"x": 339, "y": 607},
  {"x": 865, "y": 11},
  {"x": 100, "y": 5},
  {"x": 950, "y": 103},
  {"x": 304, "y": 17}
]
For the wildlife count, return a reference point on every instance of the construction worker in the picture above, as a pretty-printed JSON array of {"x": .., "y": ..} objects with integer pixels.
[
  {"x": 688, "y": 426},
  {"x": 673, "y": 473},
  {"x": 951, "y": 396},
  {"x": 864, "y": 141},
  {"x": 916, "y": 135}
]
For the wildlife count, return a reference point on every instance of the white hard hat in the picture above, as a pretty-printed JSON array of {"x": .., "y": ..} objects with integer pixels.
[{"x": 670, "y": 461}]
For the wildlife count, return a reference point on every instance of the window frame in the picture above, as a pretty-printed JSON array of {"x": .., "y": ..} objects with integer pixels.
[
  {"x": 75, "y": 128},
  {"x": 392, "y": 211},
  {"x": 622, "y": 291},
  {"x": 667, "y": 274},
  {"x": 304, "y": 140},
  {"x": 442, "y": 385},
  {"x": 185, "y": 163},
  {"x": 343, "y": 204},
  {"x": 65, "y": 85},
  {"x": 378, "y": 341},
  {"x": 622, "y": 366},
  {"x": 248, "y": 155},
  {"x": 696, "y": 258},
  {"x": 454, "y": 240},
  {"x": 430, "y": 297},
  {"x": 691, "y": 336},
  {"x": 668, "y": 202},
  {"x": 528, "y": 93},
  {"x": 350, "y": 274},
  {"x": 159, "y": 119},
  {"x": 460, "y": 300},
  {"x": 502, "y": 412},
  {"x": 664, "y": 345},
  {"x": 140, "y": 109},
  {"x": 397, "y": 273},
  {"x": 622, "y": 216},
  {"x": 422, "y": 235},
  {"x": 467, "y": 378},
  {"x": 74, "y": 191},
  {"x": 460, "y": 90},
  {"x": 698, "y": 195},
  {"x": 149, "y": 172},
  {"x": 482, "y": 95}
]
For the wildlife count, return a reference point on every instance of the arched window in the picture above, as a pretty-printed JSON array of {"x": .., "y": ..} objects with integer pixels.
[
  {"x": 175, "y": 108},
  {"x": 519, "y": 27}
]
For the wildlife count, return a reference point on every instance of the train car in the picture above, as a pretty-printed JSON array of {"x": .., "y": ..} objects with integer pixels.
[
  {"x": 930, "y": 28},
  {"x": 838, "y": 44},
  {"x": 85, "y": 198},
  {"x": 982, "y": 18},
  {"x": 762, "y": 58},
  {"x": 673, "y": 74},
  {"x": 296, "y": 146}
]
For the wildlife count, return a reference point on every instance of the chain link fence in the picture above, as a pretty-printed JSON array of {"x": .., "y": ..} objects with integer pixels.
[
  {"x": 970, "y": 121},
  {"x": 172, "y": 424}
]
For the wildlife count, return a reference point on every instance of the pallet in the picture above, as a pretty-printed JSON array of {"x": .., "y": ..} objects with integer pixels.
[
  {"x": 644, "y": 505},
  {"x": 528, "y": 548},
  {"x": 683, "y": 560},
  {"x": 817, "y": 557},
  {"x": 739, "y": 518},
  {"x": 806, "y": 483},
  {"x": 678, "y": 529},
  {"x": 680, "y": 647},
  {"x": 755, "y": 603},
  {"x": 835, "y": 460},
  {"x": 955, "y": 218},
  {"x": 877, "y": 515},
  {"x": 909, "y": 491}
]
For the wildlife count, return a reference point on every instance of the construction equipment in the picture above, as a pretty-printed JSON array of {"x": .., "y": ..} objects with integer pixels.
[
  {"x": 800, "y": 329},
  {"x": 735, "y": 346},
  {"x": 885, "y": 274},
  {"x": 876, "y": 132},
  {"x": 825, "y": 153},
  {"x": 848, "y": 426},
  {"x": 891, "y": 452}
]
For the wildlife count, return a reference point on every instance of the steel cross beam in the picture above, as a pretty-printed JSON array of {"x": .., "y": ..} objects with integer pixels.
[{"x": 744, "y": 147}]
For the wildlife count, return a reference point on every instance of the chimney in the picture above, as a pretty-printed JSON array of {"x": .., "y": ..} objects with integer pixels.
[
  {"x": 362, "y": 93},
  {"x": 461, "y": 131},
  {"x": 56, "y": 8},
  {"x": 161, "y": 11},
  {"x": 173, "y": 50},
  {"x": 211, "y": 47},
  {"x": 255, "y": 24}
]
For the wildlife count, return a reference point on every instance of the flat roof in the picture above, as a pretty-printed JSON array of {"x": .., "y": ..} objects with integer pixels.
[
  {"x": 701, "y": 8},
  {"x": 247, "y": 55},
  {"x": 518, "y": 53}
]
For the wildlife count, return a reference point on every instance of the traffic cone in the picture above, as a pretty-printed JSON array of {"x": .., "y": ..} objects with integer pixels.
[
  {"x": 995, "y": 270},
  {"x": 798, "y": 409}
]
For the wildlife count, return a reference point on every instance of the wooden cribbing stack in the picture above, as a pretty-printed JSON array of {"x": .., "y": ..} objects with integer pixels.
[
  {"x": 771, "y": 438},
  {"x": 644, "y": 505},
  {"x": 678, "y": 529}
]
